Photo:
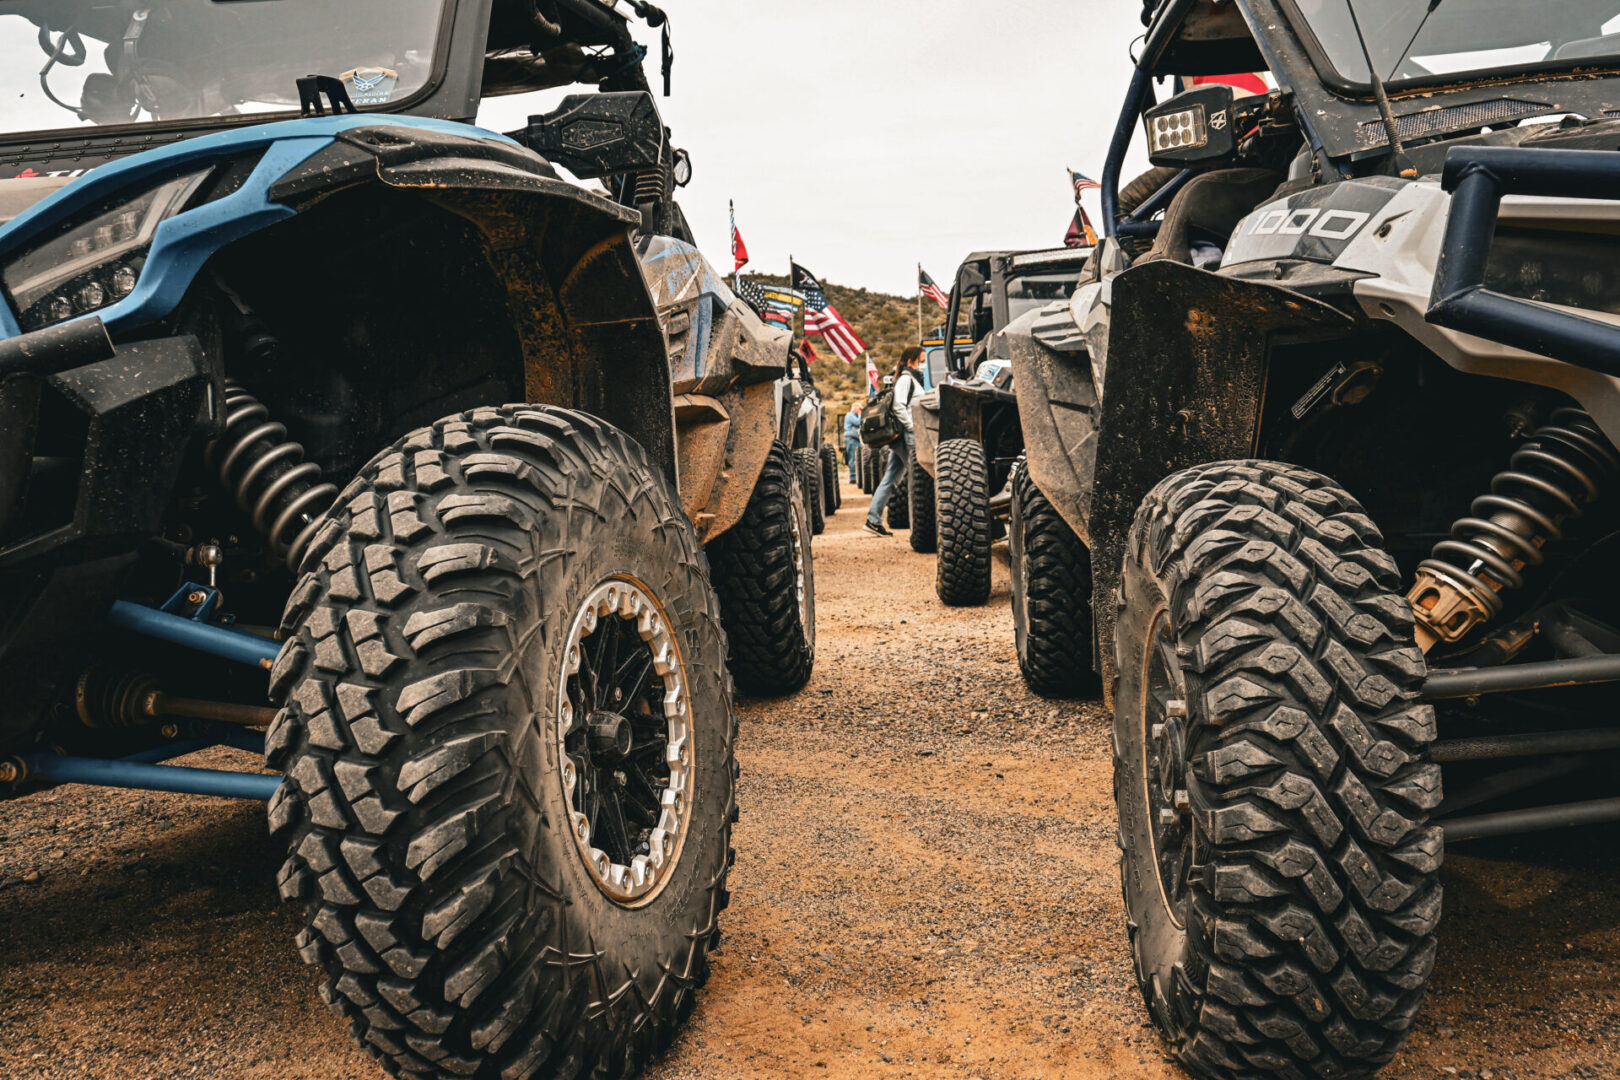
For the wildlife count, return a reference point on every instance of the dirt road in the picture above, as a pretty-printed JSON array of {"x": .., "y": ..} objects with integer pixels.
[{"x": 925, "y": 887}]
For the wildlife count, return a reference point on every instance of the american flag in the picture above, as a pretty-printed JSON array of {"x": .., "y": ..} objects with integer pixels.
[
  {"x": 820, "y": 317},
  {"x": 931, "y": 290},
  {"x": 1082, "y": 182},
  {"x": 872, "y": 374}
]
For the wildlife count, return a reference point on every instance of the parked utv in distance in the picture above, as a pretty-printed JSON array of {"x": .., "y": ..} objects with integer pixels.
[
  {"x": 969, "y": 438},
  {"x": 1329, "y": 429},
  {"x": 804, "y": 429},
  {"x": 264, "y": 364}
]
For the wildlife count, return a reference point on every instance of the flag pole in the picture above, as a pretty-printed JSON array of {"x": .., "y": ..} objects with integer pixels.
[
  {"x": 736, "y": 271},
  {"x": 919, "y": 304}
]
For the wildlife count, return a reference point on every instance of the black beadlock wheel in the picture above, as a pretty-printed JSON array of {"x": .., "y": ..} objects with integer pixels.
[
  {"x": 962, "y": 523},
  {"x": 508, "y": 737},
  {"x": 764, "y": 574},
  {"x": 920, "y": 491},
  {"x": 831, "y": 496},
  {"x": 1281, "y": 879},
  {"x": 1051, "y": 596},
  {"x": 809, "y": 464},
  {"x": 898, "y": 512}
]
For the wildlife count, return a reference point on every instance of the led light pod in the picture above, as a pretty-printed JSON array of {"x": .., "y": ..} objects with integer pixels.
[{"x": 94, "y": 259}]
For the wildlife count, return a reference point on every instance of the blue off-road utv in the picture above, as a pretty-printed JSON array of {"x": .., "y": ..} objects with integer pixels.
[{"x": 269, "y": 298}]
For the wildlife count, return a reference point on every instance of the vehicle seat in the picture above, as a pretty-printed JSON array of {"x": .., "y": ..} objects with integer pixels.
[
  {"x": 1586, "y": 48},
  {"x": 1212, "y": 205}
]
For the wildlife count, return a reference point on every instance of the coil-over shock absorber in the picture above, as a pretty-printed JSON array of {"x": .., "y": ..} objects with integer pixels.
[
  {"x": 1549, "y": 481},
  {"x": 267, "y": 472}
]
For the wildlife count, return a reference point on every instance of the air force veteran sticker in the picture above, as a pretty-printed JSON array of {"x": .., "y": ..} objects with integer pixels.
[{"x": 370, "y": 85}]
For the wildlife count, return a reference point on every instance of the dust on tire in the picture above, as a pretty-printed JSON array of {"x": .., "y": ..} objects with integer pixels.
[{"x": 423, "y": 790}]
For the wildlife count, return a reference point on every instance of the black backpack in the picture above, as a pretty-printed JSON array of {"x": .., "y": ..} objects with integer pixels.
[{"x": 879, "y": 425}]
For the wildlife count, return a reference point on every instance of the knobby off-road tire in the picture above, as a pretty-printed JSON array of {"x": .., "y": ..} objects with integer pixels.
[
  {"x": 1281, "y": 879},
  {"x": 832, "y": 496},
  {"x": 898, "y": 513},
  {"x": 459, "y": 926},
  {"x": 765, "y": 576},
  {"x": 1051, "y": 596},
  {"x": 920, "y": 491},
  {"x": 962, "y": 523},
  {"x": 809, "y": 463}
]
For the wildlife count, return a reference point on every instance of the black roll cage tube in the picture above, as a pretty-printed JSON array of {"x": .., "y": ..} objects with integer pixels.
[
  {"x": 1478, "y": 177},
  {"x": 1138, "y": 99}
]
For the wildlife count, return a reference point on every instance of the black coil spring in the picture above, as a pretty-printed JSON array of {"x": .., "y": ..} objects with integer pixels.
[
  {"x": 1550, "y": 479},
  {"x": 267, "y": 473}
]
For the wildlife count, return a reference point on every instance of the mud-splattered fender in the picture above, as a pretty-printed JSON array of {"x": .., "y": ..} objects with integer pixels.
[{"x": 1183, "y": 384}]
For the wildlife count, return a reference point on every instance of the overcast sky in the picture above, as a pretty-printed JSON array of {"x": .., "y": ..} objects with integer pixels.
[{"x": 863, "y": 136}]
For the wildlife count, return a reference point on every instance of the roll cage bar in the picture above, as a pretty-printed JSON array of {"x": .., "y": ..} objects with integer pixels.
[{"x": 1339, "y": 123}]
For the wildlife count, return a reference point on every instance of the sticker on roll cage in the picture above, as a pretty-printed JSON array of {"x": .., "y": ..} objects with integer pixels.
[{"x": 1316, "y": 225}]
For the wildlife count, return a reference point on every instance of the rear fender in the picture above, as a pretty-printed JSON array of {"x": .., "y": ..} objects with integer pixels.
[
  {"x": 726, "y": 368},
  {"x": 960, "y": 414},
  {"x": 925, "y": 428},
  {"x": 1057, "y": 409}
]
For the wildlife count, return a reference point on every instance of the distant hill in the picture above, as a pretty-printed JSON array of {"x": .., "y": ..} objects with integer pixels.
[{"x": 887, "y": 323}]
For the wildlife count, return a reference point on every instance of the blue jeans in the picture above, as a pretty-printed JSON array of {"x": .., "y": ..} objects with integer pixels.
[
  {"x": 852, "y": 446},
  {"x": 899, "y": 457}
]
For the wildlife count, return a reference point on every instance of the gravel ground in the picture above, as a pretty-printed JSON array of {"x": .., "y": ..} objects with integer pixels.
[{"x": 925, "y": 887}]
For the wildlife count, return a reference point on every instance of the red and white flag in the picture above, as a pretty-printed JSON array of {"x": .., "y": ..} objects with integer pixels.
[
  {"x": 926, "y": 286},
  {"x": 871, "y": 372},
  {"x": 739, "y": 250}
]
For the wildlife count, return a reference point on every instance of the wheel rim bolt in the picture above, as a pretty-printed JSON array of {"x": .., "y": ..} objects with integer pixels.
[
  {"x": 1157, "y": 732},
  {"x": 1176, "y": 709},
  {"x": 1183, "y": 801},
  {"x": 1167, "y": 817}
]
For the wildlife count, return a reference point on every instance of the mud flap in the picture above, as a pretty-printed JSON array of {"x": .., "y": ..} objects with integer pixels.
[
  {"x": 959, "y": 414},
  {"x": 1184, "y": 384},
  {"x": 925, "y": 426}
]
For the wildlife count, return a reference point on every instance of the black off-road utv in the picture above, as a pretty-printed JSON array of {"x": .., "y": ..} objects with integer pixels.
[
  {"x": 1328, "y": 438},
  {"x": 969, "y": 438},
  {"x": 311, "y": 389}
]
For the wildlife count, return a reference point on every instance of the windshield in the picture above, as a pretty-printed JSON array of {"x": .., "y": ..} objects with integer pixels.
[
  {"x": 81, "y": 63},
  {"x": 1029, "y": 293},
  {"x": 1409, "y": 40}
]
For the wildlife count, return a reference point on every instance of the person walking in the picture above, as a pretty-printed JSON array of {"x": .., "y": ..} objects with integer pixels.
[
  {"x": 907, "y": 385},
  {"x": 852, "y": 439}
]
